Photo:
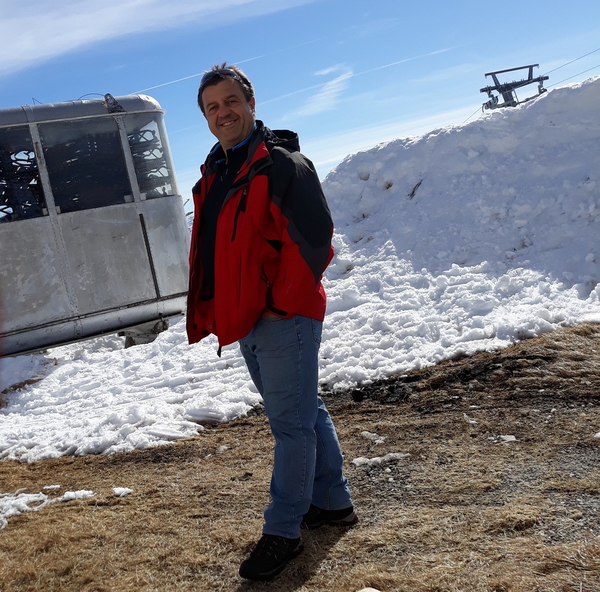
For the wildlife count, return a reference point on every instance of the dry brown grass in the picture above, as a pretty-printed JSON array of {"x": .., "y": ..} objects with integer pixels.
[{"x": 465, "y": 512}]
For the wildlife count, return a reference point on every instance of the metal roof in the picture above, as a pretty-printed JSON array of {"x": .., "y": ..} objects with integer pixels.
[{"x": 70, "y": 110}]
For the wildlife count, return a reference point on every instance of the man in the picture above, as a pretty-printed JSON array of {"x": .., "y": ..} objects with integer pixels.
[{"x": 261, "y": 240}]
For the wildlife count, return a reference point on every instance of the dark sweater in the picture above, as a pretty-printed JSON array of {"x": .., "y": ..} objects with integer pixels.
[{"x": 227, "y": 171}]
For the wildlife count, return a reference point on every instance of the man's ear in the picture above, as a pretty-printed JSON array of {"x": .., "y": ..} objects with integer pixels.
[{"x": 252, "y": 103}]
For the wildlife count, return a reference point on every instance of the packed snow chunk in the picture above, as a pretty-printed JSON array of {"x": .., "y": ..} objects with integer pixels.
[
  {"x": 379, "y": 460},
  {"x": 122, "y": 491},
  {"x": 373, "y": 437},
  {"x": 77, "y": 495}
]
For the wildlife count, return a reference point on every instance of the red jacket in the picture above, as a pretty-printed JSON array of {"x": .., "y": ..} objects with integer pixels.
[{"x": 273, "y": 241}]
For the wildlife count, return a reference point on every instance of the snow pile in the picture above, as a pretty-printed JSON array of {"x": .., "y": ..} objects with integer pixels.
[{"x": 465, "y": 239}]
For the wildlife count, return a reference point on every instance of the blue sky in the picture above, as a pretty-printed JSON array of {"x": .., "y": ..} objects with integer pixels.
[{"x": 344, "y": 74}]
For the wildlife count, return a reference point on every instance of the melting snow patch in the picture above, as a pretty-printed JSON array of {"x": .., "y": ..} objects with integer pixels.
[
  {"x": 373, "y": 437},
  {"x": 13, "y": 504}
]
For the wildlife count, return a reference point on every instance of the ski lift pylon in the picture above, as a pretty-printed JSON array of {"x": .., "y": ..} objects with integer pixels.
[{"x": 507, "y": 89}]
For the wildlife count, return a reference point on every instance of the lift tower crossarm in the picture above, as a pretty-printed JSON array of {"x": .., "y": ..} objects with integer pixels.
[
  {"x": 531, "y": 67},
  {"x": 507, "y": 89}
]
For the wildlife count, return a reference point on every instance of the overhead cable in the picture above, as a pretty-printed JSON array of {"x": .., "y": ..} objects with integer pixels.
[
  {"x": 572, "y": 61},
  {"x": 477, "y": 111},
  {"x": 575, "y": 75}
]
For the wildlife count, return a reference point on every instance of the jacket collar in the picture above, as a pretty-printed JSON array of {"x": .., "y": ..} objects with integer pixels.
[{"x": 261, "y": 134}]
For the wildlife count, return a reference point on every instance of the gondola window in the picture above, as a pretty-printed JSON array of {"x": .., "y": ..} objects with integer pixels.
[
  {"x": 86, "y": 165},
  {"x": 151, "y": 156},
  {"x": 21, "y": 193}
]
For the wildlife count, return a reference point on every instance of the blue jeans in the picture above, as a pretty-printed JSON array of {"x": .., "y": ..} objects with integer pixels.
[{"x": 282, "y": 357}]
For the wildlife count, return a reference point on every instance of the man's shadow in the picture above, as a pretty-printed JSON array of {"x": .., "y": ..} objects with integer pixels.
[{"x": 317, "y": 546}]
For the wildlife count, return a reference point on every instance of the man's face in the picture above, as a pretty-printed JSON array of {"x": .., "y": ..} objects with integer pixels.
[{"x": 229, "y": 115}]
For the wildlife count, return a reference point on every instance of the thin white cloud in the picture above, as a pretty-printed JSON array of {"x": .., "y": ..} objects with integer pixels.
[
  {"x": 35, "y": 32},
  {"x": 424, "y": 55},
  {"x": 352, "y": 75},
  {"x": 238, "y": 63},
  {"x": 452, "y": 73},
  {"x": 329, "y": 93}
]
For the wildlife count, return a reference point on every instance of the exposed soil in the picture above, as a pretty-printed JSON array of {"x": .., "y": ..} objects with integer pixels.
[{"x": 494, "y": 487}]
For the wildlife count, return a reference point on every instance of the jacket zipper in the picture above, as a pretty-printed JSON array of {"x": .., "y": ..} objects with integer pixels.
[{"x": 264, "y": 276}]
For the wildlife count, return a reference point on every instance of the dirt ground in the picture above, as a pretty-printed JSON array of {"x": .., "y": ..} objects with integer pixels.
[{"x": 480, "y": 474}]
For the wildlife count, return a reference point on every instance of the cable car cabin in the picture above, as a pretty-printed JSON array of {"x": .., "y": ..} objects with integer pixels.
[{"x": 93, "y": 235}]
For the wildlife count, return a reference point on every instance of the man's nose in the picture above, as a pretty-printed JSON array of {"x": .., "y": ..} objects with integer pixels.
[{"x": 224, "y": 110}]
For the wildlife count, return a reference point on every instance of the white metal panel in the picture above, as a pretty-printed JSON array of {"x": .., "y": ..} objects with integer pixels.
[
  {"x": 31, "y": 281},
  {"x": 169, "y": 242},
  {"x": 107, "y": 257}
]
